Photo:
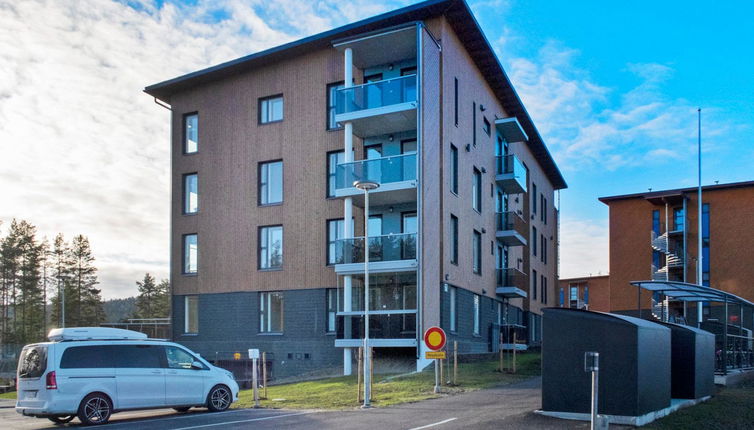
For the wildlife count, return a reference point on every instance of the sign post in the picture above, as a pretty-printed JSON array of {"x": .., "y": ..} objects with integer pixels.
[
  {"x": 434, "y": 339},
  {"x": 254, "y": 356},
  {"x": 592, "y": 364}
]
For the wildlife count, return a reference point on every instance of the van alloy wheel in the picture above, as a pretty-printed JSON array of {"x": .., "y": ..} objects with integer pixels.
[
  {"x": 95, "y": 409},
  {"x": 219, "y": 399}
]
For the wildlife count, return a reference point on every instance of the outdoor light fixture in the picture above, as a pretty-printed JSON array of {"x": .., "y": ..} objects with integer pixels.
[{"x": 366, "y": 186}]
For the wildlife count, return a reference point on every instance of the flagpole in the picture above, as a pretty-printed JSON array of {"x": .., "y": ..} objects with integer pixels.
[{"x": 699, "y": 214}]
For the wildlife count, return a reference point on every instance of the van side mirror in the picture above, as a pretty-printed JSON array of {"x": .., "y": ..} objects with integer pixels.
[{"x": 197, "y": 365}]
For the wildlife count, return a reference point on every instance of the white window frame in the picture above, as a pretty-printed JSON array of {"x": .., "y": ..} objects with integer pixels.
[
  {"x": 186, "y": 314},
  {"x": 477, "y": 309},
  {"x": 265, "y": 316}
]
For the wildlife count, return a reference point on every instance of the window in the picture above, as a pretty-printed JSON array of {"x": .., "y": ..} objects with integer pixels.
[
  {"x": 574, "y": 297},
  {"x": 534, "y": 284},
  {"x": 453, "y": 169},
  {"x": 191, "y": 133},
  {"x": 534, "y": 241},
  {"x": 332, "y": 309},
  {"x": 33, "y": 362},
  {"x": 335, "y": 231},
  {"x": 191, "y": 317},
  {"x": 476, "y": 190},
  {"x": 271, "y": 312},
  {"x": 486, "y": 126},
  {"x": 543, "y": 248},
  {"x": 190, "y": 254},
  {"x": 678, "y": 219},
  {"x": 332, "y": 100},
  {"x": 455, "y": 101},
  {"x": 543, "y": 210},
  {"x": 477, "y": 252},
  {"x": 476, "y": 314},
  {"x": 87, "y": 357},
  {"x": 586, "y": 294},
  {"x": 499, "y": 313},
  {"x": 270, "y": 182},
  {"x": 561, "y": 298},
  {"x": 333, "y": 159},
  {"x": 271, "y": 109},
  {"x": 473, "y": 124},
  {"x": 534, "y": 198},
  {"x": 543, "y": 289},
  {"x": 453, "y": 239},
  {"x": 178, "y": 358},
  {"x": 453, "y": 307},
  {"x": 656, "y": 255},
  {"x": 271, "y": 247},
  {"x": 190, "y": 193},
  {"x": 137, "y": 356}
]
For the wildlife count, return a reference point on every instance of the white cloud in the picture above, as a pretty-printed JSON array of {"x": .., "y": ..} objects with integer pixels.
[
  {"x": 583, "y": 247},
  {"x": 82, "y": 148}
]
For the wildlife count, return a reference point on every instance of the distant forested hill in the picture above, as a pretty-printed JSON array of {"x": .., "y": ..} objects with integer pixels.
[{"x": 117, "y": 310}]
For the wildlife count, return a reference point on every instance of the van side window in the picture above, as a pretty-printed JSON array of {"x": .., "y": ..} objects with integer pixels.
[
  {"x": 178, "y": 358},
  {"x": 138, "y": 356},
  {"x": 87, "y": 357}
]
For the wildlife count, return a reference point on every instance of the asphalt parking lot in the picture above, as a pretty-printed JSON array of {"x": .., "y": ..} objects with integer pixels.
[{"x": 506, "y": 407}]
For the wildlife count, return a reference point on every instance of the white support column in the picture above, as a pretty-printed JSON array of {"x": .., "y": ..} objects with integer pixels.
[{"x": 347, "y": 212}]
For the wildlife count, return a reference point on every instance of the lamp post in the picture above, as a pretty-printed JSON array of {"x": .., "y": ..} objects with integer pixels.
[{"x": 366, "y": 185}]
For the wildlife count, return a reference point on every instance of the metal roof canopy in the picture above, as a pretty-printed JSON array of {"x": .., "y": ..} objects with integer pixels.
[{"x": 691, "y": 292}]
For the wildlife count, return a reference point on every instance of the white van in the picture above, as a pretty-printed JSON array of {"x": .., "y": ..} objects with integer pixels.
[{"x": 92, "y": 372}]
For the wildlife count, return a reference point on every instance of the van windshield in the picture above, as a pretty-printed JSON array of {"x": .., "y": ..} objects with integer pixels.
[{"x": 33, "y": 362}]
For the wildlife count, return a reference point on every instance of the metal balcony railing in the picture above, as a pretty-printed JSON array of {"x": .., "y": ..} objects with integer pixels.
[
  {"x": 376, "y": 94},
  {"x": 385, "y": 170},
  {"x": 388, "y": 247}
]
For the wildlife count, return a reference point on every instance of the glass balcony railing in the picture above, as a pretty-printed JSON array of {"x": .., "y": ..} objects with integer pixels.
[
  {"x": 376, "y": 94},
  {"x": 511, "y": 277},
  {"x": 383, "y": 170},
  {"x": 511, "y": 220},
  {"x": 399, "y": 325},
  {"x": 381, "y": 248},
  {"x": 514, "y": 173}
]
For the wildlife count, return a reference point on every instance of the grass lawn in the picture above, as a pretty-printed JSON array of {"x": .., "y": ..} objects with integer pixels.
[
  {"x": 340, "y": 392},
  {"x": 731, "y": 408},
  {"x": 8, "y": 395}
]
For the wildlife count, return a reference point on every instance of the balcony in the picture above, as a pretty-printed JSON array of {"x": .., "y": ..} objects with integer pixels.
[
  {"x": 387, "y": 106},
  {"x": 395, "y": 174},
  {"x": 510, "y": 174},
  {"x": 512, "y": 283},
  {"x": 387, "y": 253},
  {"x": 386, "y": 328},
  {"x": 511, "y": 229}
]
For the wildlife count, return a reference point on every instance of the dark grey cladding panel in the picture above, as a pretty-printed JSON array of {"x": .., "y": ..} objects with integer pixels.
[
  {"x": 634, "y": 362},
  {"x": 692, "y": 362}
]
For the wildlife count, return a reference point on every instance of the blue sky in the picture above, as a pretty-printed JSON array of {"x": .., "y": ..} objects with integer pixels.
[{"x": 612, "y": 86}]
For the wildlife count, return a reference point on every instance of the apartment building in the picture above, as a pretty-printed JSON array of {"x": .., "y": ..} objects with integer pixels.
[
  {"x": 654, "y": 235},
  {"x": 267, "y": 226},
  {"x": 588, "y": 292}
]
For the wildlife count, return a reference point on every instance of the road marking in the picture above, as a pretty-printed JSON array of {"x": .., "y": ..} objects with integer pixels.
[
  {"x": 434, "y": 424},
  {"x": 272, "y": 417},
  {"x": 131, "y": 417}
]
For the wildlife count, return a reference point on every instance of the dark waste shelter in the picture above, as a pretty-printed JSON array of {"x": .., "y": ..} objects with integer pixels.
[
  {"x": 733, "y": 344},
  {"x": 692, "y": 362},
  {"x": 635, "y": 362}
]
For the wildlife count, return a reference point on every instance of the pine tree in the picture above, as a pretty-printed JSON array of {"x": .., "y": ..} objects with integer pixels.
[
  {"x": 153, "y": 299},
  {"x": 162, "y": 308},
  {"x": 45, "y": 263},
  {"x": 87, "y": 306},
  {"x": 29, "y": 304},
  {"x": 61, "y": 273},
  {"x": 9, "y": 255}
]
